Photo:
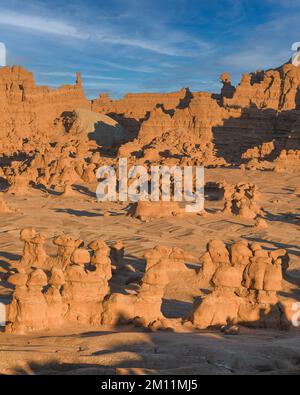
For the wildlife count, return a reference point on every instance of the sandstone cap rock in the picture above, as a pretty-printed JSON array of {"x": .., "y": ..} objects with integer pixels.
[
  {"x": 80, "y": 256},
  {"x": 27, "y": 234},
  {"x": 37, "y": 277},
  {"x": 57, "y": 277},
  {"x": 18, "y": 279}
]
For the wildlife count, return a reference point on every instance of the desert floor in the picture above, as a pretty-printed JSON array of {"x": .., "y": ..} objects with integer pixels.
[{"x": 84, "y": 350}]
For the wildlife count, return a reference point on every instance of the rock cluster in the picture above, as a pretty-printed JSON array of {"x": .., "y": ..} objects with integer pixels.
[
  {"x": 242, "y": 199},
  {"x": 287, "y": 161},
  {"x": 73, "y": 287},
  {"x": 257, "y": 120},
  {"x": 52, "y": 291},
  {"x": 246, "y": 280},
  {"x": 144, "y": 306}
]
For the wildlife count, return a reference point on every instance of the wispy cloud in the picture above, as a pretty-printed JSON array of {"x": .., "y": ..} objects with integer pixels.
[
  {"x": 139, "y": 69},
  {"x": 71, "y": 74},
  {"x": 148, "y": 44},
  {"x": 40, "y": 24},
  {"x": 143, "y": 44},
  {"x": 52, "y": 25}
]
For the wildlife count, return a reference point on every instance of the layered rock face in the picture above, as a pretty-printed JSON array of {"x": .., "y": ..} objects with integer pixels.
[
  {"x": 28, "y": 109},
  {"x": 264, "y": 108},
  {"x": 257, "y": 119},
  {"x": 136, "y": 107}
]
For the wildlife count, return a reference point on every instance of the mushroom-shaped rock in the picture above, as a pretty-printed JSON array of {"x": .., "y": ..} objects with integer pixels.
[
  {"x": 57, "y": 278},
  {"x": 98, "y": 244},
  {"x": 27, "y": 234},
  {"x": 80, "y": 256},
  {"x": 225, "y": 77},
  {"x": 240, "y": 253},
  {"x": 273, "y": 277},
  {"x": 218, "y": 251},
  {"x": 37, "y": 278},
  {"x": 18, "y": 279},
  {"x": 227, "y": 276}
]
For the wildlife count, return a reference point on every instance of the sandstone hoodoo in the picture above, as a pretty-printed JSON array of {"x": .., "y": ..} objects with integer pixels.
[{"x": 246, "y": 280}]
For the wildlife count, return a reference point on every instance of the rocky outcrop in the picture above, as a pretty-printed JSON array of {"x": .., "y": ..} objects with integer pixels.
[
  {"x": 146, "y": 210},
  {"x": 136, "y": 107},
  {"x": 246, "y": 280},
  {"x": 74, "y": 287},
  {"x": 53, "y": 291},
  {"x": 144, "y": 306},
  {"x": 87, "y": 125},
  {"x": 256, "y": 119},
  {"x": 28, "y": 109},
  {"x": 242, "y": 200}
]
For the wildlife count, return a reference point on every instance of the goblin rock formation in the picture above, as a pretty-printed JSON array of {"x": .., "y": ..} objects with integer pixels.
[
  {"x": 242, "y": 200},
  {"x": 34, "y": 255},
  {"x": 162, "y": 263},
  {"x": 147, "y": 211},
  {"x": 259, "y": 117},
  {"x": 53, "y": 141},
  {"x": 72, "y": 291},
  {"x": 74, "y": 287},
  {"x": 246, "y": 280}
]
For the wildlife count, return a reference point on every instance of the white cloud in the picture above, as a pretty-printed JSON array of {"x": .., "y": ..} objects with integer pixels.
[
  {"x": 40, "y": 24},
  {"x": 168, "y": 42},
  {"x": 72, "y": 74},
  {"x": 138, "y": 69},
  {"x": 143, "y": 44}
]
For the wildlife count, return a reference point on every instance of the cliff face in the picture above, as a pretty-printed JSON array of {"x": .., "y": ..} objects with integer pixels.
[
  {"x": 135, "y": 108},
  {"x": 26, "y": 109},
  {"x": 262, "y": 111},
  {"x": 273, "y": 89},
  {"x": 263, "y": 108}
]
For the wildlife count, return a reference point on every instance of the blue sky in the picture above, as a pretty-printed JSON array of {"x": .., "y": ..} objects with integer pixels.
[{"x": 125, "y": 46}]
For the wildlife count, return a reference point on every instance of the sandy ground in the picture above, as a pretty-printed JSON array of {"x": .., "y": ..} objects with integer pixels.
[{"x": 102, "y": 350}]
